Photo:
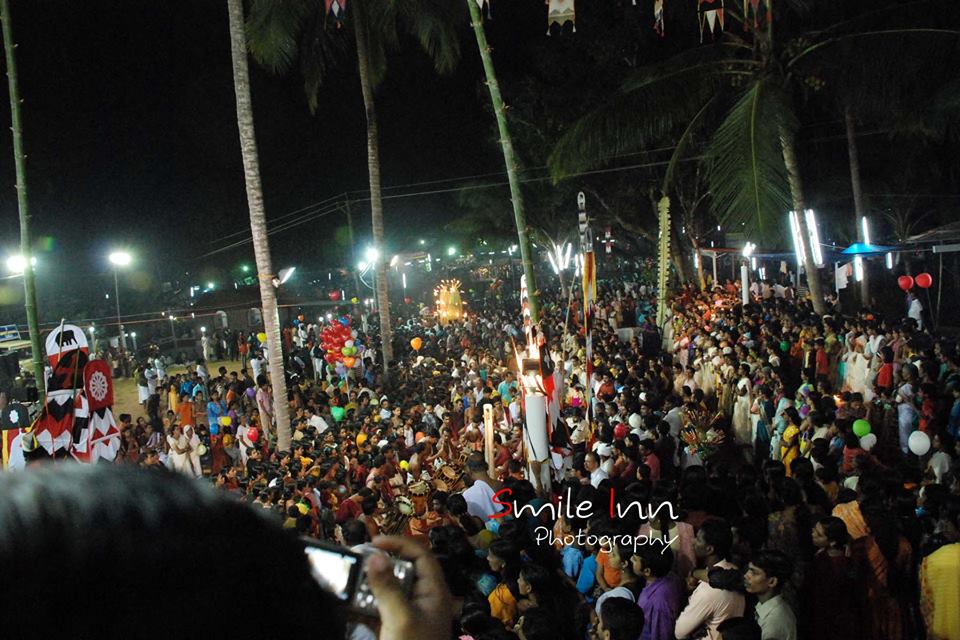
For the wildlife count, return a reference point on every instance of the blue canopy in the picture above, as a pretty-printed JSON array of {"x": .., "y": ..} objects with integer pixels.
[{"x": 860, "y": 248}]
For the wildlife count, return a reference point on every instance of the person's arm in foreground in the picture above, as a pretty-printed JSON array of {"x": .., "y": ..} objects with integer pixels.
[
  {"x": 426, "y": 615},
  {"x": 693, "y": 616}
]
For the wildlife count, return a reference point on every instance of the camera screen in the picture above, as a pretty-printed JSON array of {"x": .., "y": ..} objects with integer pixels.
[{"x": 332, "y": 570}]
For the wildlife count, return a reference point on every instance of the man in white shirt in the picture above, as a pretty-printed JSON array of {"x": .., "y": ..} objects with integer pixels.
[
  {"x": 592, "y": 464},
  {"x": 316, "y": 421},
  {"x": 256, "y": 365},
  {"x": 479, "y": 495},
  {"x": 672, "y": 416},
  {"x": 765, "y": 577}
]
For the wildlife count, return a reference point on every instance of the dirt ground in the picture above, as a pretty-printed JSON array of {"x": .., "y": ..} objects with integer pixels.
[{"x": 125, "y": 389}]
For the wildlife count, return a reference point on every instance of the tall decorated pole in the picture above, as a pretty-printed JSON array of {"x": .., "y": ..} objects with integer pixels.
[
  {"x": 258, "y": 223},
  {"x": 532, "y": 376},
  {"x": 19, "y": 159},
  {"x": 589, "y": 294},
  {"x": 663, "y": 259},
  {"x": 509, "y": 158}
]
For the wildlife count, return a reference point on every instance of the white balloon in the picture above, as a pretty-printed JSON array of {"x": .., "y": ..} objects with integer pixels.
[
  {"x": 353, "y": 333},
  {"x": 868, "y": 441},
  {"x": 635, "y": 420},
  {"x": 919, "y": 443},
  {"x": 348, "y": 343}
]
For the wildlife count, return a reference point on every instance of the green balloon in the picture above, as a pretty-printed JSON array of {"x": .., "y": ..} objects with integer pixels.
[
  {"x": 784, "y": 346},
  {"x": 861, "y": 428},
  {"x": 345, "y": 351},
  {"x": 338, "y": 413}
]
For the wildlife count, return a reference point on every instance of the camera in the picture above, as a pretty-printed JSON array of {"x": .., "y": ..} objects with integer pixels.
[{"x": 342, "y": 573}]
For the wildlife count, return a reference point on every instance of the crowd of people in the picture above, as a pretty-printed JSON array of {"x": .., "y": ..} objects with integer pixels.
[{"x": 789, "y": 494}]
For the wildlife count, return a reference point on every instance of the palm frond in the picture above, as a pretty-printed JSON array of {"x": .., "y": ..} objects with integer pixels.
[
  {"x": 685, "y": 140},
  {"x": 322, "y": 46},
  {"x": 274, "y": 28},
  {"x": 747, "y": 175},
  {"x": 646, "y": 111},
  {"x": 433, "y": 24}
]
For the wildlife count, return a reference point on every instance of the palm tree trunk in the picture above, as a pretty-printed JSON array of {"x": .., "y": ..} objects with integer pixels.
[
  {"x": 258, "y": 222},
  {"x": 19, "y": 158},
  {"x": 376, "y": 200},
  {"x": 857, "y": 195},
  {"x": 506, "y": 142},
  {"x": 796, "y": 191}
]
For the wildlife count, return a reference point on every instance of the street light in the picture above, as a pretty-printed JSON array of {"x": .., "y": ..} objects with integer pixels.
[
  {"x": 371, "y": 254},
  {"x": 452, "y": 251},
  {"x": 748, "y": 250},
  {"x": 17, "y": 265},
  {"x": 133, "y": 334},
  {"x": 119, "y": 259}
]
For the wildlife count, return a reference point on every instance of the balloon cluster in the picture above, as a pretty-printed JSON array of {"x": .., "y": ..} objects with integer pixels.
[
  {"x": 923, "y": 280},
  {"x": 337, "y": 340}
]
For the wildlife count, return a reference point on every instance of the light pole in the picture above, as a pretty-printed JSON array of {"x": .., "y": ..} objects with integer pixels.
[
  {"x": 119, "y": 259},
  {"x": 173, "y": 332},
  {"x": 372, "y": 255},
  {"x": 745, "y": 273}
]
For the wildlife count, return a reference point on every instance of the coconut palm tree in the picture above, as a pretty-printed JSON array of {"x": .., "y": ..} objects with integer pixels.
[
  {"x": 742, "y": 89},
  {"x": 19, "y": 157},
  {"x": 258, "y": 222},
  {"x": 281, "y": 33}
]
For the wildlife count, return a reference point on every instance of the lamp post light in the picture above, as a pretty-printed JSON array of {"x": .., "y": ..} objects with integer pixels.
[
  {"x": 173, "y": 331},
  {"x": 16, "y": 264},
  {"x": 119, "y": 259},
  {"x": 748, "y": 250},
  {"x": 133, "y": 336}
]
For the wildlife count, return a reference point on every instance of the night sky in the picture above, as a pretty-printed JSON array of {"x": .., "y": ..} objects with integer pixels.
[{"x": 130, "y": 130}]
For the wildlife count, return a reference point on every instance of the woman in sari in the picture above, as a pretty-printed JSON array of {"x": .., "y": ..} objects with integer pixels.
[
  {"x": 790, "y": 440},
  {"x": 742, "y": 426}
]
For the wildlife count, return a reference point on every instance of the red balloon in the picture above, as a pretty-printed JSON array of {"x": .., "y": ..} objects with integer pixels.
[
  {"x": 334, "y": 295},
  {"x": 924, "y": 280},
  {"x": 252, "y": 434},
  {"x": 905, "y": 282}
]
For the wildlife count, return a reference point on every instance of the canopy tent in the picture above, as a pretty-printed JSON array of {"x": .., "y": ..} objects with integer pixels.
[{"x": 863, "y": 249}]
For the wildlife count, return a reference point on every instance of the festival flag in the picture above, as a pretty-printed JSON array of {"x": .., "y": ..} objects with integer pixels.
[
  {"x": 755, "y": 13},
  {"x": 14, "y": 419},
  {"x": 658, "y": 17},
  {"x": 710, "y": 15},
  {"x": 589, "y": 292},
  {"x": 337, "y": 9},
  {"x": 561, "y": 12}
]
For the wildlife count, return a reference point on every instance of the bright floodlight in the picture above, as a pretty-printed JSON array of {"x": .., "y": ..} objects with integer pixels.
[
  {"x": 394, "y": 260},
  {"x": 452, "y": 251},
  {"x": 16, "y": 264},
  {"x": 422, "y": 241},
  {"x": 285, "y": 274},
  {"x": 203, "y": 329},
  {"x": 371, "y": 254},
  {"x": 748, "y": 249},
  {"x": 362, "y": 266},
  {"x": 120, "y": 258},
  {"x": 133, "y": 334}
]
